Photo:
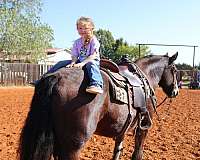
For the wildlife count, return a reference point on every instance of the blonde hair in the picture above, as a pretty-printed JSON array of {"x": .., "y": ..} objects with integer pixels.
[{"x": 85, "y": 19}]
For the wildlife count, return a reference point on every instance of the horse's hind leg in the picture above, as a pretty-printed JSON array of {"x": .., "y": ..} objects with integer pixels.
[
  {"x": 139, "y": 141},
  {"x": 118, "y": 148}
]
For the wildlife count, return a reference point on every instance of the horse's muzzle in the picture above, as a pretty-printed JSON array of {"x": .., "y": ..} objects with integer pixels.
[{"x": 175, "y": 93}]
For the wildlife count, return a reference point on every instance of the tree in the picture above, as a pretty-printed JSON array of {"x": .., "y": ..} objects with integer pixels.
[
  {"x": 107, "y": 42},
  {"x": 114, "y": 49},
  {"x": 131, "y": 51},
  {"x": 21, "y": 30},
  {"x": 118, "y": 43},
  {"x": 183, "y": 66}
]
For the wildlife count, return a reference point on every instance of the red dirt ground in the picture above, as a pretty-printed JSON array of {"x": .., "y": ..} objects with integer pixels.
[{"x": 175, "y": 137}]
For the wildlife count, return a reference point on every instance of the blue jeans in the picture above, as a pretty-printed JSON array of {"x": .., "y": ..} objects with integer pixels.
[
  {"x": 59, "y": 65},
  {"x": 54, "y": 68},
  {"x": 93, "y": 70}
]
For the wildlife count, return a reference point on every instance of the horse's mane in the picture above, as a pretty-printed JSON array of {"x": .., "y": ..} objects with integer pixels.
[
  {"x": 150, "y": 58},
  {"x": 153, "y": 65}
]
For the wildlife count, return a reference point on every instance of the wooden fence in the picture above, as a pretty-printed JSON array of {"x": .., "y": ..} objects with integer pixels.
[
  {"x": 187, "y": 75},
  {"x": 20, "y": 74}
]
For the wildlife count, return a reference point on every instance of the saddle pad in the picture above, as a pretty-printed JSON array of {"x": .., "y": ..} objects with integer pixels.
[
  {"x": 120, "y": 94},
  {"x": 118, "y": 86}
]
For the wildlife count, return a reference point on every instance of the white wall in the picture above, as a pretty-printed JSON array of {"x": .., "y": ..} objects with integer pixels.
[{"x": 54, "y": 58}]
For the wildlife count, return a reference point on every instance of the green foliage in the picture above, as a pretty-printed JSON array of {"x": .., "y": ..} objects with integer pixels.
[
  {"x": 132, "y": 51},
  {"x": 107, "y": 42},
  {"x": 21, "y": 31},
  {"x": 121, "y": 50},
  {"x": 114, "y": 49},
  {"x": 184, "y": 66}
]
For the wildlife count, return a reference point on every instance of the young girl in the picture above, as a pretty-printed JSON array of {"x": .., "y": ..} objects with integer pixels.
[{"x": 85, "y": 52}]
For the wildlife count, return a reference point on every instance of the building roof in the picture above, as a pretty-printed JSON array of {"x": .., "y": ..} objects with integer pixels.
[{"x": 53, "y": 50}]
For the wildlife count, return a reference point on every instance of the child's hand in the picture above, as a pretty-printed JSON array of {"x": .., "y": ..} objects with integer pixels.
[
  {"x": 78, "y": 65},
  {"x": 70, "y": 65}
]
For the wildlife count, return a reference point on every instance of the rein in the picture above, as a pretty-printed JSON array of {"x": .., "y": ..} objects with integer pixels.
[
  {"x": 173, "y": 70},
  {"x": 162, "y": 102}
]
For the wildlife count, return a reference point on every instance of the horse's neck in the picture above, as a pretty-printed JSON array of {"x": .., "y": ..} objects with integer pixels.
[{"x": 153, "y": 72}]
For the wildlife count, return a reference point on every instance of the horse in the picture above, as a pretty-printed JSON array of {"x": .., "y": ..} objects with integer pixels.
[{"x": 63, "y": 116}]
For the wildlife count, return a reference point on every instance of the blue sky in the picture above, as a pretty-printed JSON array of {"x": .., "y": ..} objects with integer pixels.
[{"x": 150, "y": 21}]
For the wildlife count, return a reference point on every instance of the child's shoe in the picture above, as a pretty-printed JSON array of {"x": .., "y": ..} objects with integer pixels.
[{"x": 94, "y": 89}]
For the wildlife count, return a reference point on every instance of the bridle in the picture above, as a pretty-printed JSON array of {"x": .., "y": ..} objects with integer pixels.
[{"x": 173, "y": 70}]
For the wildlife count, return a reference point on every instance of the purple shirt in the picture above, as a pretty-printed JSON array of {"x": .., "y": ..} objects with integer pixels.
[{"x": 82, "y": 53}]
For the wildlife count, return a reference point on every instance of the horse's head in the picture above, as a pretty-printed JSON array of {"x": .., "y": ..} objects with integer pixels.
[
  {"x": 160, "y": 70},
  {"x": 168, "y": 81}
]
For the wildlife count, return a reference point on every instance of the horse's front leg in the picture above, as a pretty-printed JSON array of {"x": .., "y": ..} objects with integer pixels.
[
  {"x": 139, "y": 141},
  {"x": 118, "y": 148}
]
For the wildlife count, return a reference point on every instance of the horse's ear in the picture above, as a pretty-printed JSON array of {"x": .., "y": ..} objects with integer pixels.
[
  {"x": 173, "y": 58},
  {"x": 166, "y": 54}
]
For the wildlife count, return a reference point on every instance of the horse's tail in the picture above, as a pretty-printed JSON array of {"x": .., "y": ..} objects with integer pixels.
[{"x": 37, "y": 136}]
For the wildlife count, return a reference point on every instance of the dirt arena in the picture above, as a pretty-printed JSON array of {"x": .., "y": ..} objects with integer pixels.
[{"x": 175, "y": 137}]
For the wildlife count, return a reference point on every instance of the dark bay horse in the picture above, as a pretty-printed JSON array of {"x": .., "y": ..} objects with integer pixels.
[{"x": 63, "y": 117}]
